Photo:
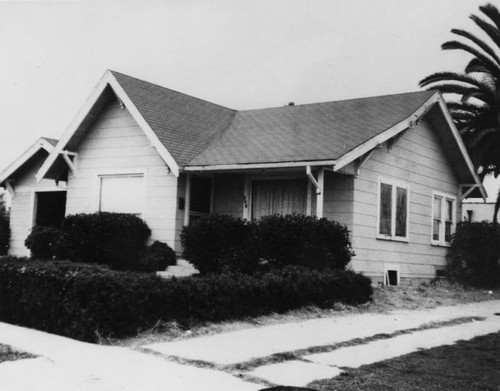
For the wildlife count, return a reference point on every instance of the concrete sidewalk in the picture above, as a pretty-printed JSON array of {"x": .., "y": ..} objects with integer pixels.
[
  {"x": 244, "y": 345},
  {"x": 66, "y": 364}
]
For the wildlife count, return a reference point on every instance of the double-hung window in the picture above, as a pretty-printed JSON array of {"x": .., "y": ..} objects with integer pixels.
[
  {"x": 443, "y": 218},
  {"x": 393, "y": 210}
]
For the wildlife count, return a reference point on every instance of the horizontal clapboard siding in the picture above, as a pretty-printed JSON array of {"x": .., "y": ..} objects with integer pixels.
[
  {"x": 116, "y": 142},
  {"x": 419, "y": 160}
]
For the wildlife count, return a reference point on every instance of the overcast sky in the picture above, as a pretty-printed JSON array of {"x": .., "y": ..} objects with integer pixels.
[{"x": 241, "y": 54}]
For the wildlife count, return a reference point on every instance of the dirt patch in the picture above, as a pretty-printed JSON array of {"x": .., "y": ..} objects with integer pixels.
[
  {"x": 467, "y": 365},
  {"x": 9, "y": 354},
  {"x": 385, "y": 299}
]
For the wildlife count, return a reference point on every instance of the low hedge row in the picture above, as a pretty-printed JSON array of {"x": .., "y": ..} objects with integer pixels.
[
  {"x": 83, "y": 301},
  {"x": 219, "y": 243}
]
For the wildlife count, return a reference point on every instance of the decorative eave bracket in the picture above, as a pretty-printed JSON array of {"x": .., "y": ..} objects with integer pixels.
[
  {"x": 71, "y": 163},
  {"x": 465, "y": 189},
  {"x": 313, "y": 179},
  {"x": 10, "y": 188}
]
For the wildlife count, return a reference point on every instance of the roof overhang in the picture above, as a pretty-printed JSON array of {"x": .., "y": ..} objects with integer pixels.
[
  {"x": 87, "y": 114},
  {"x": 40, "y": 144},
  {"x": 447, "y": 130}
]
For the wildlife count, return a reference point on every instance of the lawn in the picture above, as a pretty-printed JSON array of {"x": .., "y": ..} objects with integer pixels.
[
  {"x": 385, "y": 299},
  {"x": 9, "y": 354},
  {"x": 467, "y": 365}
]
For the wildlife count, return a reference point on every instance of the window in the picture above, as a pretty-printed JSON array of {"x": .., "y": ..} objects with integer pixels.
[
  {"x": 393, "y": 210},
  {"x": 282, "y": 196},
  {"x": 122, "y": 193},
  {"x": 443, "y": 218}
]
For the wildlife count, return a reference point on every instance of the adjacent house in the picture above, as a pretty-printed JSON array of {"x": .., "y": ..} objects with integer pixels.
[{"x": 392, "y": 168}]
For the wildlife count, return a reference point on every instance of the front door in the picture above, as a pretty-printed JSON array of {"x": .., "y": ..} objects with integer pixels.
[{"x": 50, "y": 208}]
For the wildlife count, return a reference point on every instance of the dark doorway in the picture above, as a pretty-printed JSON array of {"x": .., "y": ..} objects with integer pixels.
[{"x": 50, "y": 208}]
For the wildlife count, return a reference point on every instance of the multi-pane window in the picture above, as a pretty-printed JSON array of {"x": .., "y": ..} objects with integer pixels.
[
  {"x": 393, "y": 210},
  {"x": 443, "y": 218}
]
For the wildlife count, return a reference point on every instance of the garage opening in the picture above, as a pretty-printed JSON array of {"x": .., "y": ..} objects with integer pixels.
[{"x": 50, "y": 208}]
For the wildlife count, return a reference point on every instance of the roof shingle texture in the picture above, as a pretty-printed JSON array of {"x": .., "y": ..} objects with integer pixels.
[
  {"x": 185, "y": 125},
  {"x": 200, "y": 133},
  {"x": 320, "y": 131}
]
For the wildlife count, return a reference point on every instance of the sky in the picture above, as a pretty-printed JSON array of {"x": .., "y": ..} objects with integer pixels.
[{"x": 237, "y": 53}]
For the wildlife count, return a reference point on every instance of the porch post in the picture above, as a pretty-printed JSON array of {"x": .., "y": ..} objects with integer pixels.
[
  {"x": 187, "y": 196},
  {"x": 320, "y": 195}
]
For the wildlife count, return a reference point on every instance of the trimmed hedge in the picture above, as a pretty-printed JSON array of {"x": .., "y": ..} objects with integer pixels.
[
  {"x": 84, "y": 301},
  {"x": 46, "y": 243},
  {"x": 157, "y": 257},
  {"x": 219, "y": 243},
  {"x": 114, "y": 239},
  {"x": 474, "y": 256}
]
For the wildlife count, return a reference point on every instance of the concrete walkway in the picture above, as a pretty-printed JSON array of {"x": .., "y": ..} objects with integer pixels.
[{"x": 66, "y": 364}]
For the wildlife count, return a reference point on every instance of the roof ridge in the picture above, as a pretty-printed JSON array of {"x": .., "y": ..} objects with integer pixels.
[
  {"x": 424, "y": 92},
  {"x": 169, "y": 89}
]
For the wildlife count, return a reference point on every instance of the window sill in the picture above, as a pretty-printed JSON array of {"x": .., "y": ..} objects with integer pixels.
[
  {"x": 393, "y": 239},
  {"x": 440, "y": 244}
]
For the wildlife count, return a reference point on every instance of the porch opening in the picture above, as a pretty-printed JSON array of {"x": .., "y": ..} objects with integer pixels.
[
  {"x": 200, "y": 197},
  {"x": 50, "y": 208},
  {"x": 283, "y": 196}
]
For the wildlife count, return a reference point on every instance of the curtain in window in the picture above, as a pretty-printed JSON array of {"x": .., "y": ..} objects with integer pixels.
[
  {"x": 278, "y": 197},
  {"x": 401, "y": 211},
  {"x": 385, "y": 227}
]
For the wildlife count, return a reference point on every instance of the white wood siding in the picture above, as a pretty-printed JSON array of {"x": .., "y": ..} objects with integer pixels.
[
  {"x": 338, "y": 198},
  {"x": 418, "y": 160},
  {"x": 22, "y": 208},
  {"x": 116, "y": 143}
]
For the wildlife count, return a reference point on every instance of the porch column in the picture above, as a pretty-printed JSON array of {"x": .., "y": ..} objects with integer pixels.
[
  {"x": 187, "y": 197},
  {"x": 320, "y": 194}
]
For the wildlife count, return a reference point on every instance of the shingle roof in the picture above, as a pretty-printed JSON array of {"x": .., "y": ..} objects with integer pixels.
[
  {"x": 185, "y": 125},
  {"x": 51, "y": 141},
  {"x": 319, "y": 131}
]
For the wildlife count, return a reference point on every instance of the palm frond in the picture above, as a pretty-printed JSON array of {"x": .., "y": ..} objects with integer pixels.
[
  {"x": 451, "y": 88},
  {"x": 492, "y": 13},
  {"x": 455, "y": 78},
  {"x": 490, "y": 30},
  {"x": 479, "y": 42},
  {"x": 455, "y": 45}
]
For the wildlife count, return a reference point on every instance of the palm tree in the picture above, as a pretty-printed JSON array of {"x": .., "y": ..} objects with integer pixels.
[{"x": 473, "y": 96}]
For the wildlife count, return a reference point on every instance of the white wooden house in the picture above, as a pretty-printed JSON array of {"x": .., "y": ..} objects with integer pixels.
[{"x": 392, "y": 168}]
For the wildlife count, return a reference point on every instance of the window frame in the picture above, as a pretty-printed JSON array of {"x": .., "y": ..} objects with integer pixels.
[
  {"x": 395, "y": 184},
  {"x": 113, "y": 173},
  {"x": 442, "y": 229}
]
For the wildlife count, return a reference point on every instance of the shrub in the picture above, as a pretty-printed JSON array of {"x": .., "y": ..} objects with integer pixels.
[
  {"x": 218, "y": 243},
  {"x": 46, "y": 243},
  {"x": 83, "y": 301},
  {"x": 222, "y": 243},
  {"x": 4, "y": 233},
  {"x": 157, "y": 257},
  {"x": 305, "y": 241},
  {"x": 115, "y": 239},
  {"x": 474, "y": 256}
]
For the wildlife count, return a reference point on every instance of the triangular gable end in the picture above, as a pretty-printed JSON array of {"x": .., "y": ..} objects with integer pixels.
[
  {"x": 362, "y": 151},
  {"x": 41, "y": 143},
  {"x": 107, "y": 81}
]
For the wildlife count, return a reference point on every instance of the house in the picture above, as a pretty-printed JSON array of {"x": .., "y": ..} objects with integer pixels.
[
  {"x": 392, "y": 168},
  {"x": 478, "y": 211}
]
